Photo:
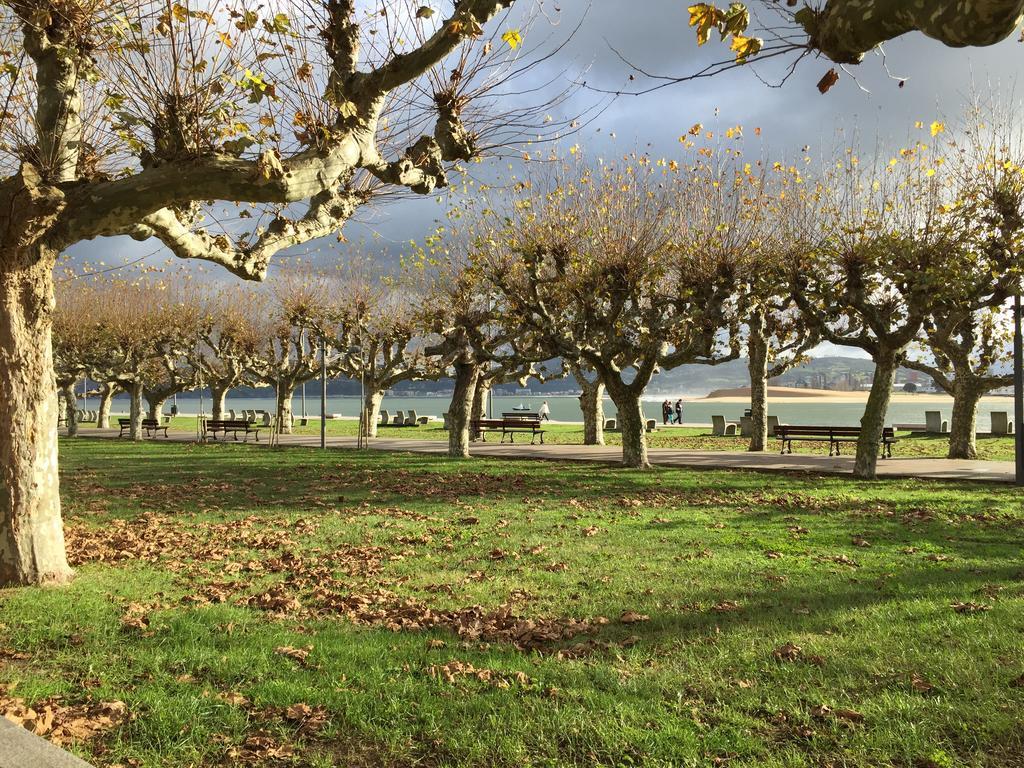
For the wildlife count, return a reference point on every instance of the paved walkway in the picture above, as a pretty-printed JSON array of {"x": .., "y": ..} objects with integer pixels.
[{"x": 935, "y": 469}]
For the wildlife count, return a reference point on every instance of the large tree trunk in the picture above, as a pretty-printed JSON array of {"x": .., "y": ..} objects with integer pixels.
[
  {"x": 67, "y": 389},
  {"x": 156, "y": 405},
  {"x": 219, "y": 396},
  {"x": 285, "y": 393},
  {"x": 757, "y": 365},
  {"x": 135, "y": 412},
  {"x": 466, "y": 375},
  {"x": 106, "y": 396},
  {"x": 873, "y": 421},
  {"x": 31, "y": 533},
  {"x": 371, "y": 407},
  {"x": 480, "y": 393},
  {"x": 631, "y": 423},
  {"x": 592, "y": 405},
  {"x": 963, "y": 426}
]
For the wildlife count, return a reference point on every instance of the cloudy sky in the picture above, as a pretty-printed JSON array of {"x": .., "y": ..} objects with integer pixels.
[{"x": 654, "y": 35}]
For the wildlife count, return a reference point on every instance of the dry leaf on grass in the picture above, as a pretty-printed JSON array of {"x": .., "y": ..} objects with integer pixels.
[
  {"x": 301, "y": 655},
  {"x": 920, "y": 684},
  {"x": 970, "y": 607},
  {"x": 632, "y": 617},
  {"x": 825, "y": 712},
  {"x": 456, "y": 669},
  {"x": 64, "y": 724}
]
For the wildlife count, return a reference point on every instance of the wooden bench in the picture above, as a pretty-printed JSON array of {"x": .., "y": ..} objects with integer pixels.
[
  {"x": 509, "y": 424},
  {"x": 150, "y": 425},
  {"x": 234, "y": 426},
  {"x": 836, "y": 436}
]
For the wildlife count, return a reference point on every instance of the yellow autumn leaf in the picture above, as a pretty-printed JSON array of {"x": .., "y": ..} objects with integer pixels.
[
  {"x": 745, "y": 47},
  {"x": 937, "y": 128},
  {"x": 513, "y": 38},
  {"x": 704, "y": 17}
]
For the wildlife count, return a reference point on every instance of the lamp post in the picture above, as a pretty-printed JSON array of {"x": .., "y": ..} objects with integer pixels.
[
  {"x": 364, "y": 427},
  {"x": 323, "y": 391},
  {"x": 1018, "y": 393}
]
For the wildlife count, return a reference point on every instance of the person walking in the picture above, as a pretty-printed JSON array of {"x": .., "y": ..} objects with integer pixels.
[
  {"x": 544, "y": 412},
  {"x": 679, "y": 411},
  {"x": 666, "y": 412}
]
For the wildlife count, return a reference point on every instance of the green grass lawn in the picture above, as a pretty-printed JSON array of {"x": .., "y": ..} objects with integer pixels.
[
  {"x": 299, "y": 608},
  {"x": 684, "y": 438}
]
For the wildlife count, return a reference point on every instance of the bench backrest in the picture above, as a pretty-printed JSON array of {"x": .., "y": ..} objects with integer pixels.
[
  {"x": 824, "y": 432},
  {"x": 523, "y": 415},
  {"x": 503, "y": 423},
  {"x": 151, "y": 422},
  {"x": 124, "y": 422}
]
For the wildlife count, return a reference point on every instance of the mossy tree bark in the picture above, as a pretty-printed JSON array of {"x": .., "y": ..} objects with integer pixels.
[
  {"x": 106, "y": 396},
  {"x": 963, "y": 427},
  {"x": 592, "y": 406},
  {"x": 31, "y": 531},
  {"x": 461, "y": 409},
  {"x": 371, "y": 407},
  {"x": 757, "y": 365},
  {"x": 631, "y": 422},
  {"x": 285, "y": 393},
  {"x": 219, "y": 397},
  {"x": 135, "y": 412},
  {"x": 155, "y": 405},
  {"x": 67, "y": 389},
  {"x": 873, "y": 421},
  {"x": 480, "y": 394}
]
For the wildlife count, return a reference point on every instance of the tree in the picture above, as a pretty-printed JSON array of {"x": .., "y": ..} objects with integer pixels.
[
  {"x": 627, "y": 269},
  {"x": 845, "y": 30},
  {"x": 125, "y": 119},
  {"x": 380, "y": 341},
  {"x": 107, "y": 391},
  {"x": 231, "y": 343},
  {"x": 967, "y": 349},
  {"x": 591, "y": 402},
  {"x": 75, "y": 344},
  {"x": 474, "y": 336},
  {"x": 890, "y": 233},
  {"x": 967, "y": 330},
  {"x": 779, "y": 219},
  {"x": 148, "y": 327},
  {"x": 300, "y": 327}
]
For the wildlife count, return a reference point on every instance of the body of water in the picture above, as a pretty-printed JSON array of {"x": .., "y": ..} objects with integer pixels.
[{"x": 566, "y": 408}]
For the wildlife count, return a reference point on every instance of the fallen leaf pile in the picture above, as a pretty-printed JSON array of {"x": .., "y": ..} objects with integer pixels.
[
  {"x": 64, "y": 724},
  {"x": 385, "y": 609},
  {"x": 258, "y": 749}
]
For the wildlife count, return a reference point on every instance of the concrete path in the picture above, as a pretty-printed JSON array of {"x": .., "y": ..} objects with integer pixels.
[
  {"x": 935, "y": 469},
  {"x": 21, "y": 749}
]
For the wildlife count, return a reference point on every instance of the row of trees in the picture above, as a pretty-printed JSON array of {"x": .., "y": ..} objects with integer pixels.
[
  {"x": 637, "y": 265},
  {"x": 622, "y": 270},
  {"x": 154, "y": 338}
]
